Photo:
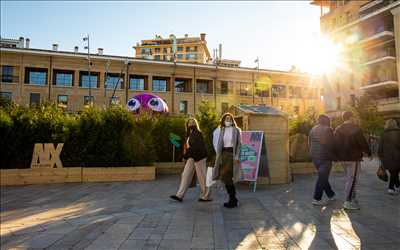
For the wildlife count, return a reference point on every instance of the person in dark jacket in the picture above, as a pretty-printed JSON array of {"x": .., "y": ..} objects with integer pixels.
[
  {"x": 196, "y": 159},
  {"x": 389, "y": 154},
  {"x": 350, "y": 144},
  {"x": 321, "y": 145}
]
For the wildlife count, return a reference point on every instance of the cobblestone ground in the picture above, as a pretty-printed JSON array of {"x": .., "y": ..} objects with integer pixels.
[{"x": 139, "y": 215}]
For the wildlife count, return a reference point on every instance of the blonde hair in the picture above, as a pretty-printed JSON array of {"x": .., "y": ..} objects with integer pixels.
[
  {"x": 391, "y": 124},
  {"x": 187, "y": 125}
]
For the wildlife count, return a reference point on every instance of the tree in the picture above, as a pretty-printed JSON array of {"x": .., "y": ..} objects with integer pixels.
[
  {"x": 366, "y": 112},
  {"x": 208, "y": 120}
]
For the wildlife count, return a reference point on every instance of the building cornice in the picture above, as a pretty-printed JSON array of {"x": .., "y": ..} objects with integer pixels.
[{"x": 139, "y": 60}]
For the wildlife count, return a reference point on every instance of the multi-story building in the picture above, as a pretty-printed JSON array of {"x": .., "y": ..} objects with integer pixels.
[
  {"x": 369, "y": 32},
  {"x": 29, "y": 76},
  {"x": 188, "y": 49}
]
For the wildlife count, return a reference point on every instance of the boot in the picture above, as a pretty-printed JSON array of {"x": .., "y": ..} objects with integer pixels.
[{"x": 233, "y": 202}]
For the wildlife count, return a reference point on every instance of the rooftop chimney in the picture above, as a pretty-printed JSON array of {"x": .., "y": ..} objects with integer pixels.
[
  {"x": 55, "y": 46},
  {"x": 100, "y": 51},
  {"x": 186, "y": 35},
  {"x": 220, "y": 51},
  {"x": 203, "y": 36},
  {"x": 27, "y": 42},
  {"x": 76, "y": 49},
  {"x": 21, "y": 42}
]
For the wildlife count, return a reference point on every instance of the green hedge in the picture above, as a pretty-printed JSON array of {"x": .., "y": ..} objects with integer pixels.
[{"x": 93, "y": 138}]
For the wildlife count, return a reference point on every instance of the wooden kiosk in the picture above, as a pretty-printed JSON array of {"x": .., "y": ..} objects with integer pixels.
[{"x": 274, "y": 168}]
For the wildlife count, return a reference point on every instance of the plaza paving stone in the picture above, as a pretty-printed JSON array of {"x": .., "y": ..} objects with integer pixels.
[{"x": 139, "y": 215}]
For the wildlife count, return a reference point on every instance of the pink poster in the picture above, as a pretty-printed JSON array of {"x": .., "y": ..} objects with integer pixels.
[{"x": 250, "y": 154}]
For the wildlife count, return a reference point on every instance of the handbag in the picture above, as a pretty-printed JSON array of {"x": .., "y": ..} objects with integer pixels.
[
  {"x": 209, "y": 180},
  {"x": 381, "y": 173}
]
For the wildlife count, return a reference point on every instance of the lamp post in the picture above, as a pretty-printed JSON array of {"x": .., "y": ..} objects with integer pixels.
[{"x": 87, "y": 47}]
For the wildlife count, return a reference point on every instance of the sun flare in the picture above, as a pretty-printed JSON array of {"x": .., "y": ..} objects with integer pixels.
[{"x": 320, "y": 56}]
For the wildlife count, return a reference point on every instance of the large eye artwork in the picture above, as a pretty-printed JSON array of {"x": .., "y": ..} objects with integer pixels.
[
  {"x": 156, "y": 104},
  {"x": 133, "y": 105}
]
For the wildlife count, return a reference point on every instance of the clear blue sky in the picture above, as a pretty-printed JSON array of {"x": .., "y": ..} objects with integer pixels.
[{"x": 276, "y": 32}]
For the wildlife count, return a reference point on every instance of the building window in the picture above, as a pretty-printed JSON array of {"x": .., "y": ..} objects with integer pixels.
[
  {"x": 159, "y": 85},
  {"x": 63, "y": 78},
  {"x": 157, "y": 50},
  {"x": 338, "y": 103},
  {"x": 279, "y": 91},
  {"x": 204, "y": 86},
  {"x": 180, "y": 48},
  {"x": 245, "y": 89},
  {"x": 63, "y": 100},
  {"x": 224, "y": 107},
  {"x": 137, "y": 83},
  {"x": 157, "y": 57},
  {"x": 84, "y": 80},
  {"x": 36, "y": 76},
  {"x": 187, "y": 49},
  {"x": 187, "y": 56},
  {"x": 353, "y": 100},
  {"x": 7, "y": 73},
  {"x": 6, "y": 96},
  {"x": 183, "y": 107},
  {"x": 296, "y": 110},
  {"x": 112, "y": 80},
  {"x": 88, "y": 101},
  {"x": 180, "y": 56},
  {"x": 195, "y": 48},
  {"x": 294, "y": 92},
  {"x": 165, "y": 50},
  {"x": 224, "y": 88},
  {"x": 34, "y": 99},
  {"x": 183, "y": 85}
]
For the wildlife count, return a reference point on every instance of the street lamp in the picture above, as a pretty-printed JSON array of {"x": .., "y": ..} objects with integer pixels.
[{"x": 87, "y": 47}]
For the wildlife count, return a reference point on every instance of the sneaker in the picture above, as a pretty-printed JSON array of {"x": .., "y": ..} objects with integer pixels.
[
  {"x": 333, "y": 198},
  {"x": 351, "y": 205},
  {"x": 174, "y": 197},
  {"x": 318, "y": 202},
  {"x": 392, "y": 191}
]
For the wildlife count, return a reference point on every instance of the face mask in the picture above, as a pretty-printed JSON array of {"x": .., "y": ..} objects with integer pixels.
[{"x": 228, "y": 124}]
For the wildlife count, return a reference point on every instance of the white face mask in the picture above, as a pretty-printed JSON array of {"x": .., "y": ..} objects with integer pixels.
[{"x": 228, "y": 123}]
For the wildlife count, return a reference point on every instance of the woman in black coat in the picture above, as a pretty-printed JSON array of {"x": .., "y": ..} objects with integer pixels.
[
  {"x": 196, "y": 160},
  {"x": 389, "y": 154}
]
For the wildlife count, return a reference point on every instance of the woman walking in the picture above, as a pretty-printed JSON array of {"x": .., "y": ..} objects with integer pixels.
[
  {"x": 227, "y": 148},
  {"x": 196, "y": 159},
  {"x": 389, "y": 154}
]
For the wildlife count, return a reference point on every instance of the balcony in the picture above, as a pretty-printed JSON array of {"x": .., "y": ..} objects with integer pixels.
[
  {"x": 377, "y": 36},
  {"x": 385, "y": 83},
  {"x": 374, "y": 6},
  {"x": 389, "y": 105},
  {"x": 380, "y": 56}
]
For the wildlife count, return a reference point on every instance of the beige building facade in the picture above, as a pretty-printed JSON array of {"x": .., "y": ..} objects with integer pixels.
[
  {"x": 188, "y": 49},
  {"x": 30, "y": 76},
  {"x": 369, "y": 32}
]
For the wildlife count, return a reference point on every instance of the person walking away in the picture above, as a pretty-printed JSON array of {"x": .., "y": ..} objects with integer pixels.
[
  {"x": 389, "y": 154},
  {"x": 196, "y": 160},
  {"x": 227, "y": 162},
  {"x": 350, "y": 144},
  {"x": 321, "y": 145}
]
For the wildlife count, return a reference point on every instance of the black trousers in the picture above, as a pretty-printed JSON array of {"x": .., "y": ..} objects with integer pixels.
[{"x": 394, "y": 179}]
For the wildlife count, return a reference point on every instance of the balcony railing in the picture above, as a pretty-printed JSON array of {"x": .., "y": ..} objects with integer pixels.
[
  {"x": 380, "y": 54},
  {"x": 373, "y": 6},
  {"x": 9, "y": 79}
]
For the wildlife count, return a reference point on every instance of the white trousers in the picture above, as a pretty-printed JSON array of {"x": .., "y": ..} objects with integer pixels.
[
  {"x": 187, "y": 175},
  {"x": 352, "y": 172}
]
